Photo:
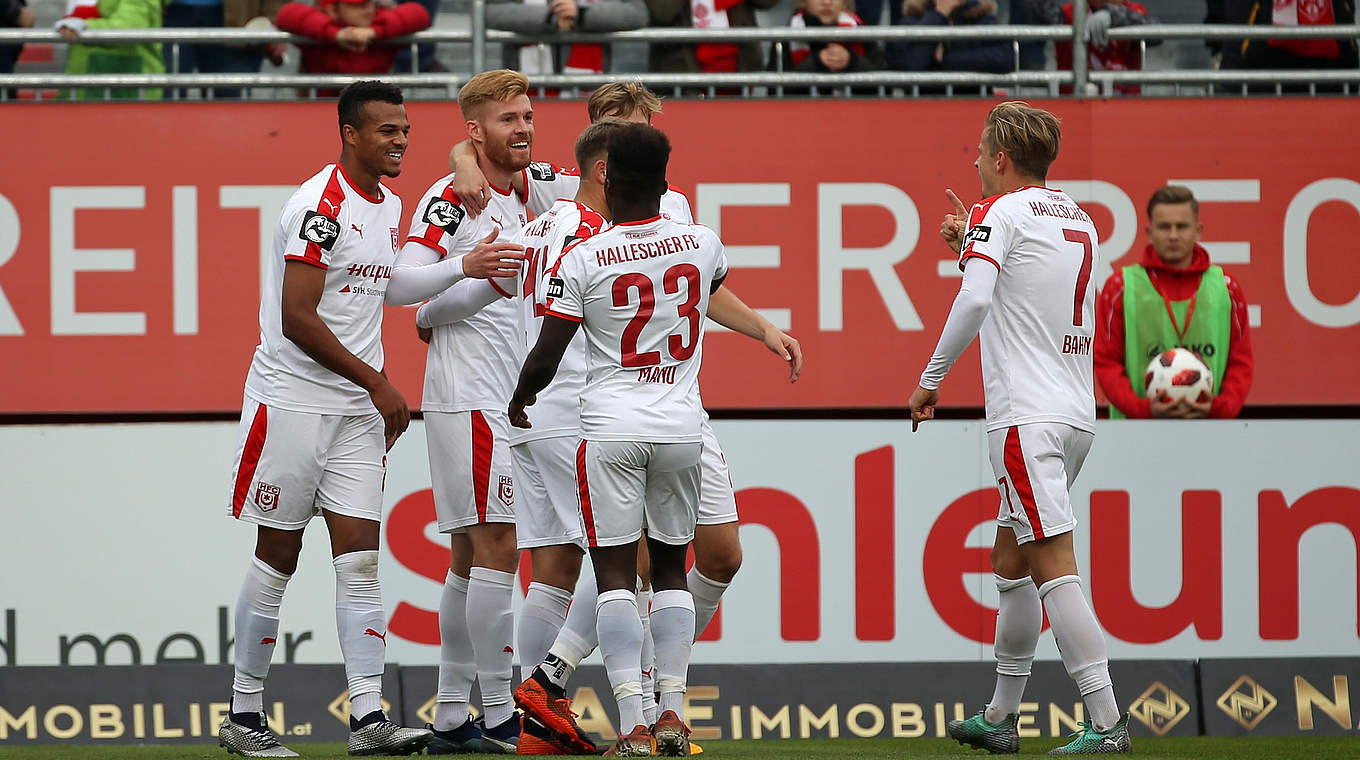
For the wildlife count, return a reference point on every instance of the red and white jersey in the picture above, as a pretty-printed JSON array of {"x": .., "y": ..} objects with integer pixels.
[
  {"x": 549, "y": 183},
  {"x": 470, "y": 364},
  {"x": 641, "y": 291},
  {"x": 330, "y": 224},
  {"x": 1036, "y": 340},
  {"x": 557, "y": 410}
]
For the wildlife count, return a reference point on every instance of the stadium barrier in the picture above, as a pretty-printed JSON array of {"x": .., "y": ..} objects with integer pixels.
[
  {"x": 184, "y": 704},
  {"x": 771, "y": 83},
  {"x": 146, "y": 251}
]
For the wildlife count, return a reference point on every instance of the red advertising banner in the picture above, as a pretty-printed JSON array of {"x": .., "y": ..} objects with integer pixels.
[{"x": 130, "y": 235}]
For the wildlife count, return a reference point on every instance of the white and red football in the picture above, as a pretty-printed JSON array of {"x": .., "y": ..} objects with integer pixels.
[{"x": 1179, "y": 374}]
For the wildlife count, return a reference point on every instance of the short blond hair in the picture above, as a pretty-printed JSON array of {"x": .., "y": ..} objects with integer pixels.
[
  {"x": 1029, "y": 136},
  {"x": 623, "y": 99},
  {"x": 490, "y": 86}
]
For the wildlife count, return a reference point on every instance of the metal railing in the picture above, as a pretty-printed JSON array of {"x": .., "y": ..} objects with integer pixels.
[{"x": 775, "y": 82}]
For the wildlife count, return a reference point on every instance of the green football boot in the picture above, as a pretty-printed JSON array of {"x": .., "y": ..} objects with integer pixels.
[
  {"x": 1086, "y": 740},
  {"x": 997, "y": 738}
]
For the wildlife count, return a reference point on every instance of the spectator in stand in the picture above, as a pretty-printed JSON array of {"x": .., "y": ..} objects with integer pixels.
[
  {"x": 1102, "y": 53},
  {"x": 983, "y": 55},
  {"x": 353, "y": 30},
  {"x": 1284, "y": 54},
  {"x": 424, "y": 52},
  {"x": 217, "y": 58},
  {"x": 1032, "y": 57},
  {"x": 545, "y": 16},
  {"x": 706, "y": 14},
  {"x": 1174, "y": 297},
  {"x": 13, "y": 14},
  {"x": 871, "y": 11},
  {"x": 822, "y": 57},
  {"x": 144, "y": 58}
]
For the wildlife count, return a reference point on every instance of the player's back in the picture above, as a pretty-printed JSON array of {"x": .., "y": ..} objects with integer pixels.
[
  {"x": 470, "y": 364},
  {"x": 641, "y": 290},
  {"x": 1036, "y": 341}
]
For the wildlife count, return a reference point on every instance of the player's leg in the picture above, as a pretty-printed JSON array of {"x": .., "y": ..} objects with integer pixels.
[
  {"x": 717, "y": 541},
  {"x": 274, "y": 480},
  {"x": 612, "y": 481},
  {"x": 672, "y": 510},
  {"x": 350, "y": 496},
  {"x": 1043, "y": 460},
  {"x": 644, "y": 607},
  {"x": 490, "y": 622},
  {"x": 449, "y": 439},
  {"x": 548, "y": 525}
]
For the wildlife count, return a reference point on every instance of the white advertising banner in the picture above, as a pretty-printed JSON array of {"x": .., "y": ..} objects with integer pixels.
[{"x": 862, "y": 543}]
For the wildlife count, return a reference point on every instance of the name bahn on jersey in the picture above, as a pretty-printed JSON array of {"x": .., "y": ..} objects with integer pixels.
[{"x": 621, "y": 254}]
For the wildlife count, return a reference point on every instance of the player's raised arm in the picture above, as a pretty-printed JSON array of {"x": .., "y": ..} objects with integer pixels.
[{"x": 955, "y": 224}]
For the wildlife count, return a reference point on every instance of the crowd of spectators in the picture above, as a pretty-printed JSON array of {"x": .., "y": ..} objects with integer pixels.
[{"x": 351, "y": 35}]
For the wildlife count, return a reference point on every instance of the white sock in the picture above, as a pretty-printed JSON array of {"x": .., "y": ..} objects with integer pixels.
[
  {"x": 620, "y": 631},
  {"x": 257, "y": 628},
  {"x": 492, "y": 628},
  {"x": 1082, "y": 645},
  {"x": 707, "y": 593},
  {"x": 1019, "y": 622},
  {"x": 457, "y": 667},
  {"x": 542, "y": 616},
  {"x": 578, "y": 637},
  {"x": 673, "y": 628},
  {"x": 649, "y": 711},
  {"x": 362, "y": 626}
]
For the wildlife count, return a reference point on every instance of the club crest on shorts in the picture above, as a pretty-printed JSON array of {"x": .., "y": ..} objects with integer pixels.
[
  {"x": 267, "y": 497},
  {"x": 506, "y": 491}
]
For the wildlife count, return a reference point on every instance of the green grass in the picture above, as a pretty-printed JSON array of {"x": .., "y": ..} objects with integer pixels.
[{"x": 1198, "y": 748}]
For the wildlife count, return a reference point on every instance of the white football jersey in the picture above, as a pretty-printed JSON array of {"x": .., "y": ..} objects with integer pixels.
[
  {"x": 641, "y": 291},
  {"x": 1036, "y": 340},
  {"x": 329, "y": 224},
  {"x": 470, "y": 364},
  {"x": 549, "y": 183},
  {"x": 557, "y": 409}
]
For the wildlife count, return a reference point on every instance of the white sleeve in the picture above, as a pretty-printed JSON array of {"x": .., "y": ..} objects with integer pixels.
[
  {"x": 421, "y": 273},
  {"x": 548, "y": 182},
  {"x": 458, "y": 303},
  {"x": 965, "y": 319},
  {"x": 566, "y": 288}
]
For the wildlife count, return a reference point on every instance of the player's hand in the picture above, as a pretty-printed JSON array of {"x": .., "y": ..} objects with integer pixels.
[
  {"x": 493, "y": 258},
  {"x": 834, "y": 57},
  {"x": 922, "y": 405},
  {"x": 389, "y": 403},
  {"x": 952, "y": 228},
  {"x": 424, "y": 333},
  {"x": 469, "y": 184},
  {"x": 786, "y": 347},
  {"x": 518, "y": 417}
]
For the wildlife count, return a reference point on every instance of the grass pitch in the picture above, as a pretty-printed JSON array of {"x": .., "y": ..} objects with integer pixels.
[{"x": 1198, "y": 748}]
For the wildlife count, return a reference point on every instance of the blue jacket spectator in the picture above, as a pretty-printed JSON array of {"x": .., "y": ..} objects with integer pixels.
[{"x": 982, "y": 56}]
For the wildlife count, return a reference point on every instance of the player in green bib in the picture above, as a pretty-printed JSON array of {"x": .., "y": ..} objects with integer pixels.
[{"x": 1173, "y": 298}]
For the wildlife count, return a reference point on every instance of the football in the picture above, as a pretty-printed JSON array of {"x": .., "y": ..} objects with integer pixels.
[{"x": 1179, "y": 374}]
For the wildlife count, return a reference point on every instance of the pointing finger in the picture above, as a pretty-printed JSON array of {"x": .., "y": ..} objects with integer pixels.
[{"x": 959, "y": 208}]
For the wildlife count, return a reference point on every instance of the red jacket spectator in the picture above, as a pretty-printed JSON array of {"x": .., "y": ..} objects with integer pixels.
[
  {"x": 1175, "y": 285},
  {"x": 352, "y": 27},
  {"x": 1114, "y": 55}
]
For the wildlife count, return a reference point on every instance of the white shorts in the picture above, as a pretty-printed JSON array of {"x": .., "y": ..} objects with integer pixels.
[
  {"x": 291, "y": 465},
  {"x": 717, "y": 502},
  {"x": 549, "y": 510},
  {"x": 1034, "y": 466},
  {"x": 470, "y": 468},
  {"x": 623, "y": 483}
]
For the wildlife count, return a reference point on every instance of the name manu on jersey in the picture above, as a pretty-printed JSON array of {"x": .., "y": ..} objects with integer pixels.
[{"x": 622, "y": 254}]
